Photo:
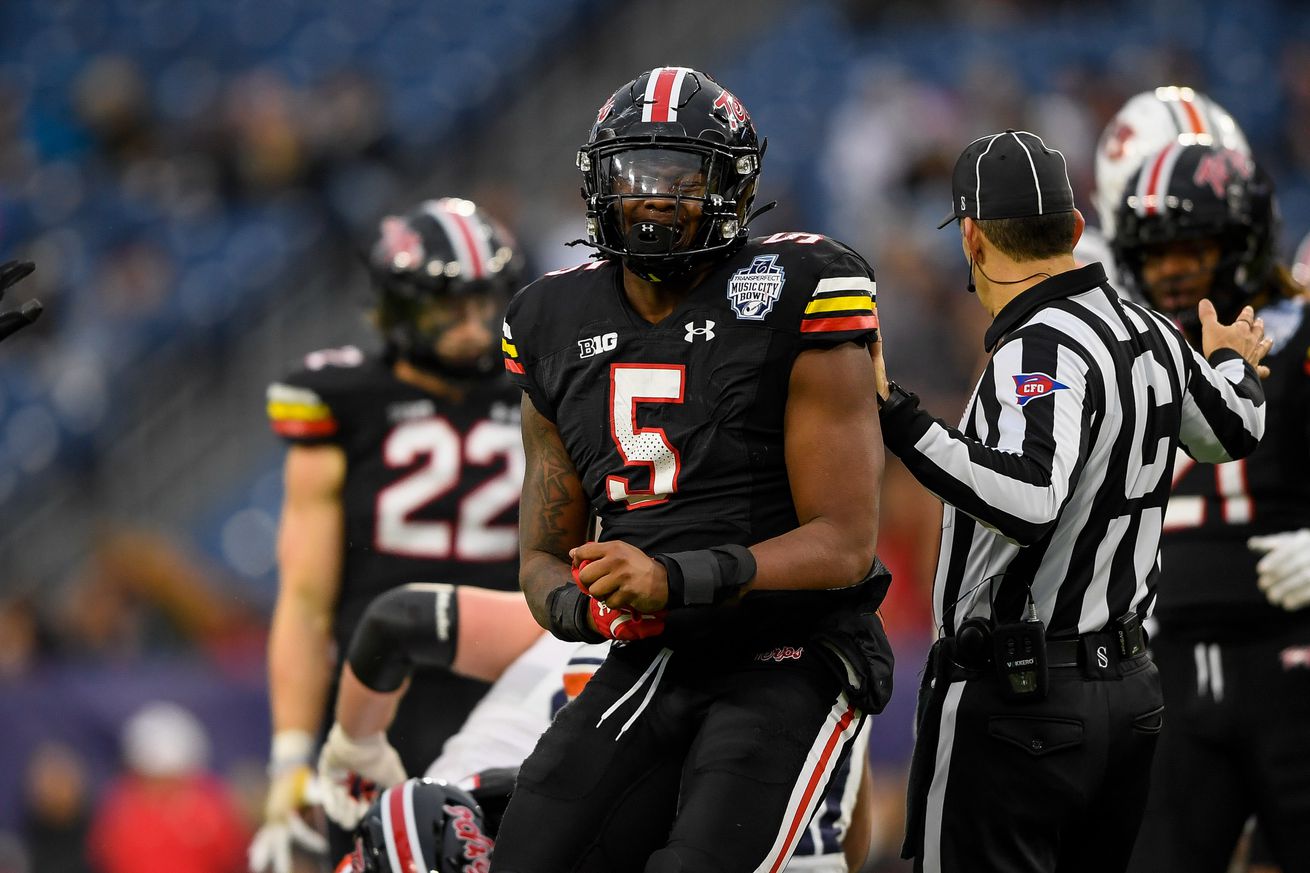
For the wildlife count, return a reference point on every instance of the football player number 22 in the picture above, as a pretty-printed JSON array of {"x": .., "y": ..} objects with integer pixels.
[
  {"x": 631, "y": 385},
  {"x": 471, "y": 536}
]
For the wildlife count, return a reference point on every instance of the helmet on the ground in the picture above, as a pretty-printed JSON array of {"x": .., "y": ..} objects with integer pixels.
[
  {"x": 1148, "y": 122},
  {"x": 669, "y": 173},
  {"x": 1199, "y": 192},
  {"x": 422, "y": 826},
  {"x": 438, "y": 254}
]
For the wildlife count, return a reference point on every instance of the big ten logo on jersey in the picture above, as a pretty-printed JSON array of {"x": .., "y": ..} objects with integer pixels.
[
  {"x": 594, "y": 345},
  {"x": 410, "y": 409},
  {"x": 346, "y": 356}
]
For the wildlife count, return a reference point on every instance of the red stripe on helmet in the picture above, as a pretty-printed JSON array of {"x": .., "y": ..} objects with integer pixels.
[
  {"x": 1156, "y": 166},
  {"x": 1193, "y": 117},
  {"x": 663, "y": 94},
  {"x": 400, "y": 829},
  {"x": 470, "y": 242}
]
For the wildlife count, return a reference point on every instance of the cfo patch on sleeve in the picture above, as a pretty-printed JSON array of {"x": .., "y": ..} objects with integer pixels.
[{"x": 1030, "y": 386}]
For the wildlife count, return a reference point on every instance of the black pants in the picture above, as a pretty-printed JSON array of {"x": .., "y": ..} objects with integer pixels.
[
  {"x": 676, "y": 761},
  {"x": 1053, "y": 785},
  {"x": 1237, "y": 743}
]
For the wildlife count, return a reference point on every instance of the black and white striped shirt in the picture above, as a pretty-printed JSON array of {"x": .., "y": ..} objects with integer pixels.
[{"x": 1059, "y": 473}]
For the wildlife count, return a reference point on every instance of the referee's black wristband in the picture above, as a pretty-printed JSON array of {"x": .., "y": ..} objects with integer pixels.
[
  {"x": 707, "y": 577},
  {"x": 568, "y": 608}
]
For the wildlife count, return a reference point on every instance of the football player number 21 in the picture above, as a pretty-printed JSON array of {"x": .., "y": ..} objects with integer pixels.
[
  {"x": 470, "y": 536},
  {"x": 632, "y": 385}
]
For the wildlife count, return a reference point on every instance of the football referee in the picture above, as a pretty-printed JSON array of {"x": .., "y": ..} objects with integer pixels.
[{"x": 1040, "y": 706}]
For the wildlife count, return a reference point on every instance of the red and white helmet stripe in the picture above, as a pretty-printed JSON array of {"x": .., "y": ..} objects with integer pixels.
[
  {"x": 664, "y": 94},
  {"x": 472, "y": 248},
  {"x": 1153, "y": 183},
  {"x": 403, "y": 848}
]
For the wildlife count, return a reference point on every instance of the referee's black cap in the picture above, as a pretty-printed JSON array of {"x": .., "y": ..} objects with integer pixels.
[{"x": 1012, "y": 174}]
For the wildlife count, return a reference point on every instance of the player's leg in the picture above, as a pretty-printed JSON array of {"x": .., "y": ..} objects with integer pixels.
[
  {"x": 1198, "y": 800},
  {"x": 1275, "y": 703},
  {"x": 605, "y": 757},
  {"x": 773, "y": 735}
]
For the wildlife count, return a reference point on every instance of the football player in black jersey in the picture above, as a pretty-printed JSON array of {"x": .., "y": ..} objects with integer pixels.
[
  {"x": 709, "y": 398},
  {"x": 1233, "y": 639},
  {"x": 402, "y": 467}
]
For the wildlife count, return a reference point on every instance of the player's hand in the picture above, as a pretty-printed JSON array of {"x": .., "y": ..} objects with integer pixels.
[
  {"x": 625, "y": 624},
  {"x": 353, "y": 771},
  {"x": 880, "y": 382},
  {"x": 290, "y": 790},
  {"x": 11, "y": 273},
  {"x": 621, "y": 576},
  {"x": 1246, "y": 335},
  {"x": 1285, "y": 568}
]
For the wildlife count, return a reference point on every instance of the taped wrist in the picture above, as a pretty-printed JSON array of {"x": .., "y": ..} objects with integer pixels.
[
  {"x": 407, "y": 627},
  {"x": 568, "y": 608},
  {"x": 707, "y": 577}
]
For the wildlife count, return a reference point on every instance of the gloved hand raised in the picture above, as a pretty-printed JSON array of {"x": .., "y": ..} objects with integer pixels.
[
  {"x": 352, "y": 771},
  {"x": 291, "y": 789},
  {"x": 1285, "y": 568}
]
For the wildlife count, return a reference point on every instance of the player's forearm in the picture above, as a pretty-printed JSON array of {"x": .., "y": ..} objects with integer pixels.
[
  {"x": 300, "y": 667},
  {"x": 539, "y": 574},
  {"x": 552, "y": 513},
  {"x": 361, "y": 711},
  {"x": 822, "y": 553}
]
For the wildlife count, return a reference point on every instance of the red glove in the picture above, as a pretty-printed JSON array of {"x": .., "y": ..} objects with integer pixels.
[
  {"x": 624, "y": 624},
  {"x": 578, "y": 579}
]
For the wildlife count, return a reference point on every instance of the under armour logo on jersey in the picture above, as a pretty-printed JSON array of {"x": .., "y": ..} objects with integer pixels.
[
  {"x": 1030, "y": 386},
  {"x": 693, "y": 331}
]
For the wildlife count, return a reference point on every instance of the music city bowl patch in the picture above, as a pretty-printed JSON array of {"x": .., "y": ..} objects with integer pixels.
[
  {"x": 1030, "y": 386},
  {"x": 753, "y": 290}
]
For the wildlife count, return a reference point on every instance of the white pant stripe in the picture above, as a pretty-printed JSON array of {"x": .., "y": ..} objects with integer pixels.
[
  {"x": 839, "y": 728},
  {"x": 932, "y": 829}
]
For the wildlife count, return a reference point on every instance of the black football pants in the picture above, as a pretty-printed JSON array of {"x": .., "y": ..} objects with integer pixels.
[
  {"x": 674, "y": 762},
  {"x": 1236, "y": 743},
  {"x": 1051, "y": 786}
]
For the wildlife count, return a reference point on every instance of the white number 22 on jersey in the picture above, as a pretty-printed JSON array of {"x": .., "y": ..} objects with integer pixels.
[
  {"x": 470, "y": 536},
  {"x": 631, "y": 384}
]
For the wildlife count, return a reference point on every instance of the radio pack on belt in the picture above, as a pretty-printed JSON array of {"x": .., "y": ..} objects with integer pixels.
[{"x": 1015, "y": 650}]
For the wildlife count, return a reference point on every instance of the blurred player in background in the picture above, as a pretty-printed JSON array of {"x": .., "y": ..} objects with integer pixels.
[
  {"x": 1233, "y": 644},
  {"x": 402, "y": 466},
  {"x": 1148, "y": 122},
  {"x": 708, "y": 396},
  {"x": 397, "y": 635}
]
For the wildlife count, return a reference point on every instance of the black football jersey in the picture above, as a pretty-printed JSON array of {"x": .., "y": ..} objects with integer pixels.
[
  {"x": 676, "y": 428},
  {"x": 1208, "y": 574},
  {"x": 431, "y": 491}
]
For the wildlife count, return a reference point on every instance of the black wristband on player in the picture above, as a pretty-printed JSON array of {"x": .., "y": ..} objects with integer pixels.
[
  {"x": 409, "y": 626},
  {"x": 569, "y": 608},
  {"x": 707, "y": 577}
]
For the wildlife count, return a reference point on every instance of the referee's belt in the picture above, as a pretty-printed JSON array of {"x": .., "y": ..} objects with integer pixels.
[
  {"x": 1104, "y": 650},
  {"x": 1119, "y": 643}
]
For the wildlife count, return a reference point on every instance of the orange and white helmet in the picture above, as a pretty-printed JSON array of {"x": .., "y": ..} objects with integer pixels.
[{"x": 1147, "y": 123}]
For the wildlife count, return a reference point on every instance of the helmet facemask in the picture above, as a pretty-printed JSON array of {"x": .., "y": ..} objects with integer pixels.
[{"x": 669, "y": 180}]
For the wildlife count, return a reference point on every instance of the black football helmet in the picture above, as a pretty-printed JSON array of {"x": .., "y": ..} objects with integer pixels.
[
  {"x": 441, "y": 252},
  {"x": 421, "y": 826},
  {"x": 676, "y": 142},
  {"x": 1201, "y": 192}
]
